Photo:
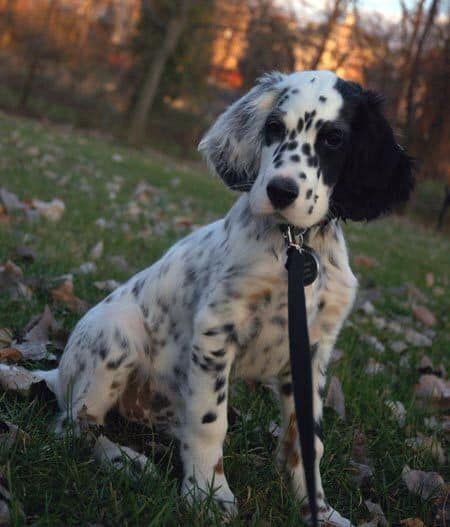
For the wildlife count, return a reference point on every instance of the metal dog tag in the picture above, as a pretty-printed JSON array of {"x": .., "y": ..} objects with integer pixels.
[{"x": 311, "y": 265}]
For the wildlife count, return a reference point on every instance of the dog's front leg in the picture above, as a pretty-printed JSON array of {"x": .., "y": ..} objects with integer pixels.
[
  {"x": 205, "y": 423},
  {"x": 322, "y": 336}
]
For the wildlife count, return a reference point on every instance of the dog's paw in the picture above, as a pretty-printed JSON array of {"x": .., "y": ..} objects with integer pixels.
[
  {"x": 202, "y": 493},
  {"x": 331, "y": 518}
]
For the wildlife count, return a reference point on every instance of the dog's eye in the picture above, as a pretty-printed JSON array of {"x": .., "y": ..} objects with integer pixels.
[
  {"x": 334, "y": 138},
  {"x": 274, "y": 131}
]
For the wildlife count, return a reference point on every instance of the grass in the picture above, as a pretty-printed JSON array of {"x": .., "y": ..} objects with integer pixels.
[{"x": 56, "y": 480}]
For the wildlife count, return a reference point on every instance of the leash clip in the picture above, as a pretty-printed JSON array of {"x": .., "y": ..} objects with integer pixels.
[{"x": 294, "y": 237}]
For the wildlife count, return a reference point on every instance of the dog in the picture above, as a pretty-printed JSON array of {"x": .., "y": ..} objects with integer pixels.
[{"x": 306, "y": 149}]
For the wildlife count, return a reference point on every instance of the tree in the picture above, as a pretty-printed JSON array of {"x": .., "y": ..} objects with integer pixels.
[{"x": 171, "y": 37}]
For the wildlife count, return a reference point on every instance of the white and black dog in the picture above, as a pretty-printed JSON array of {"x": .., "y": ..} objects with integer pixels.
[{"x": 305, "y": 149}]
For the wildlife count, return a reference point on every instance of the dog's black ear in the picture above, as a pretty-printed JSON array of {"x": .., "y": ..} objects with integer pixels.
[
  {"x": 377, "y": 173},
  {"x": 232, "y": 146}
]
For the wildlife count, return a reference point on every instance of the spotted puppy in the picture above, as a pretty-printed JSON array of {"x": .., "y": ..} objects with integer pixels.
[{"x": 306, "y": 149}]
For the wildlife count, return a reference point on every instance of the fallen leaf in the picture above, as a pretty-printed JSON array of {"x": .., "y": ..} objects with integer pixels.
[
  {"x": 364, "y": 261},
  {"x": 335, "y": 397},
  {"x": 377, "y": 513},
  {"x": 10, "y": 355},
  {"x": 10, "y": 201},
  {"x": 425, "y": 365},
  {"x": 33, "y": 346},
  {"x": 417, "y": 339},
  {"x": 399, "y": 346},
  {"x": 96, "y": 251},
  {"x": 11, "y": 281},
  {"x": 398, "y": 411},
  {"x": 429, "y": 444},
  {"x": 432, "y": 387},
  {"x": 25, "y": 253},
  {"x": 373, "y": 367},
  {"x": 106, "y": 452},
  {"x": 86, "y": 268},
  {"x": 374, "y": 343},
  {"x": 429, "y": 279},
  {"x": 52, "y": 210},
  {"x": 183, "y": 221},
  {"x": 10, "y": 433},
  {"x": 22, "y": 381},
  {"x": 412, "y": 522},
  {"x": 424, "y": 484},
  {"x": 144, "y": 191},
  {"x": 6, "y": 337},
  {"x": 367, "y": 308},
  {"x": 423, "y": 314},
  {"x": 107, "y": 285},
  {"x": 64, "y": 295},
  {"x": 359, "y": 472},
  {"x": 415, "y": 294}
]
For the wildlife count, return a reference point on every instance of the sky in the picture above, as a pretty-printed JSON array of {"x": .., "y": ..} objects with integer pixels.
[{"x": 389, "y": 8}]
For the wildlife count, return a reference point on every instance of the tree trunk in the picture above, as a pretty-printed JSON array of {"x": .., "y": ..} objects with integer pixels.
[
  {"x": 35, "y": 59},
  {"x": 331, "y": 22},
  {"x": 414, "y": 72},
  {"x": 152, "y": 80}
]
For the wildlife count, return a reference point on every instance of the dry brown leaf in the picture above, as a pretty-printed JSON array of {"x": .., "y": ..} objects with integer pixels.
[
  {"x": 424, "y": 484},
  {"x": 432, "y": 387},
  {"x": 359, "y": 453},
  {"x": 412, "y": 522},
  {"x": 429, "y": 279},
  {"x": 10, "y": 433},
  {"x": 10, "y": 355},
  {"x": 183, "y": 221},
  {"x": 359, "y": 472},
  {"x": 377, "y": 513},
  {"x": 33, "y": 346},
  {"x": 364, "y": 261},
  {"x": 96, "y": 252},
  {"x": 64, "y": 295},
  {"x": 10, "y": 201},
  {"x": 398, "y": 411},
  {"x": 335, "y": 397},
  {"x": 52, "y": 210},
  {"x": 22, "y": 381},
  {"x": 430, "y": 444},
  {"x": 25, "y": 253},
  {"x": 423, "y": 314}
]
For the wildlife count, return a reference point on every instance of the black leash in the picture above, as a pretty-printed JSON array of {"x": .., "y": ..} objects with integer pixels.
[{"x": 302, "y": 266}]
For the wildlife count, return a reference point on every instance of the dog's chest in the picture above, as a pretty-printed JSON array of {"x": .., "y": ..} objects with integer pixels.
[{"x": 263, "y": 345}]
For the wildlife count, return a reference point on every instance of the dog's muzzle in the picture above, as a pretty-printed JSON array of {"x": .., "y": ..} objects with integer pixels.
[{"x": 282, "y": 192}]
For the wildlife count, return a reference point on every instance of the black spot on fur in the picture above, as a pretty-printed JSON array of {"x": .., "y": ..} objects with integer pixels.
[
  {"x": 302, "y": 175},
  {"x": 221, "y": 397},
  {"x": 309, "y": 193},
  {"x": 300, "y": 125},
  {"x": 295, "y": 158},
  {"x": 209, "y": 417},
  {"x": 114, "y": 364},
  {"x": 322, "y": 98},
  {"x": 292, "y": 145},
  {"x": 306, "y": 149},
  {"x": 219, "y": 384}
]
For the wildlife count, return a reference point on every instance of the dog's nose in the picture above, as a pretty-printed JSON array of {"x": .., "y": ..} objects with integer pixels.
[{"x": 282, "y": 191}]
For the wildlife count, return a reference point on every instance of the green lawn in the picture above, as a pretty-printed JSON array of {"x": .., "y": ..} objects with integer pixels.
[{"x": 55, "y": 479}]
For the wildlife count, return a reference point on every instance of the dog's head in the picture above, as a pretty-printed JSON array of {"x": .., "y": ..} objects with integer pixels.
[{"x": 309, "y": 144}]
